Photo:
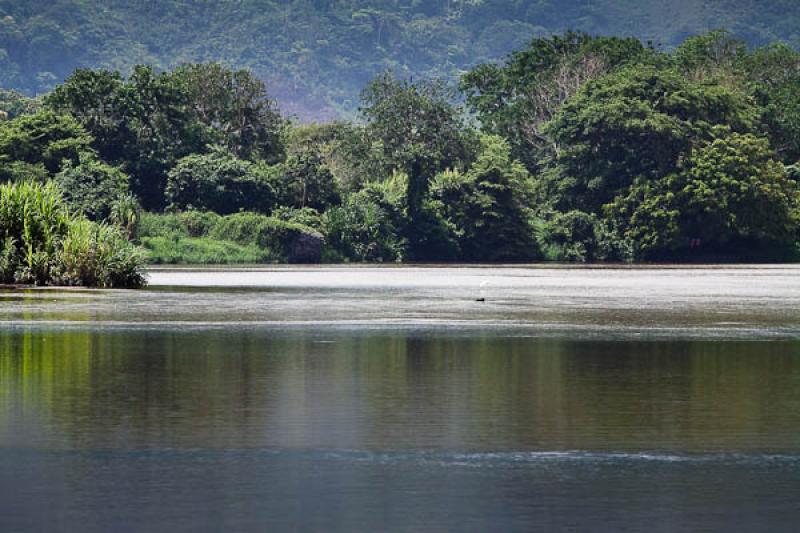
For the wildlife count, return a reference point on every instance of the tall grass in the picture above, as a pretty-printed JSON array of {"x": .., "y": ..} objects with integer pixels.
[{"x": 43, "y": 244}]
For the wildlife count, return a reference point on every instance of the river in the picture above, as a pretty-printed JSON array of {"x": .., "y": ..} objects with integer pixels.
[{"x": 405, "y": 399}]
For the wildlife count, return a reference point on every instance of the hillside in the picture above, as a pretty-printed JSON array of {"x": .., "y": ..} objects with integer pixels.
[{"x": 316, "y": 55}]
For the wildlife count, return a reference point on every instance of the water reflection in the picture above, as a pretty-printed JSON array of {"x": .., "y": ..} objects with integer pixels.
[
  {"x": 87, "y": 389},
  {"x": 388, "y": 399}
]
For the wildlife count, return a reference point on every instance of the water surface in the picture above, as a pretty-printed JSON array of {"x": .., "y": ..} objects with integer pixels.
[{"x": 365, "y": 399}]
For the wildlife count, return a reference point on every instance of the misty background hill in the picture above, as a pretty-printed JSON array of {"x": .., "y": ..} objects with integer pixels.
[{"x": 316, "y": 55}]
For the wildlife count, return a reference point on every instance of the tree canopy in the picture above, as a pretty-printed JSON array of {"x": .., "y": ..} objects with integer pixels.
[{"x": 576, "y": 147}]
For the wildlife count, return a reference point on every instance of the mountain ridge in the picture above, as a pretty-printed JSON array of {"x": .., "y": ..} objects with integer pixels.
[{"x": 316, "y": 55}]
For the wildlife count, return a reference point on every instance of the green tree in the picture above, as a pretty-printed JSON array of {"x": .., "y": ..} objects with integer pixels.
[
  {"x": 13, "y": 104},
  {"x": 221, "y": 182},
  {"x": 730, "y": 193},
  {"x": 488, "y": 207},
  {"x": 143, "y": 124},
  {"x": 636, "y": 123},
  {"x": 235, "y": 107},
  {"x": 44, "y": 138},
  {"x": 421, "y": 134},
  {"x": 92, "y": 188},
  {"x": 98, "y": 100},
  {"x": 307, "y": 177},
  {"x": 774, "y": 75},
  {"x": 361, "y": 230},
  {"x": 517, "y": 98},
  {"x": 714, "y": 55}
]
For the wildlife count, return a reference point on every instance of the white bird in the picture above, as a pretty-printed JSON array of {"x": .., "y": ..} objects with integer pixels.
[{"x": 484, "y": 284}]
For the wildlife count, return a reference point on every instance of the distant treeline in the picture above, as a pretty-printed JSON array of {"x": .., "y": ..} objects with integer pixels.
[
  {"x": 316, "y": 55},
  {"x": 575, "y": 148}
]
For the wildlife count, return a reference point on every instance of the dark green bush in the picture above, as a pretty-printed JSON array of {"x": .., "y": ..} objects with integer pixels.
[
  {"x": 362, "y": 230},
  {"x": 222, "y": 183},
  {"x": 91, "y": 187}
]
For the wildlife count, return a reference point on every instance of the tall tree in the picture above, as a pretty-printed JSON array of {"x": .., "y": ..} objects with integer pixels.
[
  {"x": 517, "y": 98},
  {"x": 235, "y": 106},
  {"x": 420, "y": 133},
  {"x": 636, "y": 123}
]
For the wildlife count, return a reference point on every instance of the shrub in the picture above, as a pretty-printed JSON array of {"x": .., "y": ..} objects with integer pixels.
[
  {"x": 190, "y": 250},
  {"x": 126, "y": 213},
  {"x": 175, "y": 225},
  {"x": 44, "y": 138},
  {"x": 43, "y": 244},
  {"x": 263, "y": 231},
  {"x": 205, "y": 237},
  {"x": 361, "y": 230},
  {"x": 23, "y": 171},
  {"x": 305, "y": 216},
  {"x": 220, "y": 182},
  {"x": 580, "y": 236},
  {"x": 198, "y": 223},
  {"x": 98, "y": 255},
  {"x": 91, "y": 187}
]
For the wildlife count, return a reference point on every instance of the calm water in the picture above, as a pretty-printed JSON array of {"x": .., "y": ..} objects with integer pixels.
[{"x": 372, "y": 399}]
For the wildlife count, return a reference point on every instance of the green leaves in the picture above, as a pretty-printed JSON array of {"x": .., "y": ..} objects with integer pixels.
[
  {"x": 729, "y": 192},
  {"x": 44, "y": 138},
  {"x": 44, "y": 244},
  {"x": 92, "y": 187},
  {"x": 488, "y": 208},
  {"x": 146, "y": 123},
  {"x": 637, "y": 123},
  {"x": 220, "y": 182}
]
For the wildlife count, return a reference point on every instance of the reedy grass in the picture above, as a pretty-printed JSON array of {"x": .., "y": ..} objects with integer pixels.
[{"x": 44, "y": 244}]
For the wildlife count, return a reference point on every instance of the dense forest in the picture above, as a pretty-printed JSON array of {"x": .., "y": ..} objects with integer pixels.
[
  {"x": 574, "y": 148},
  {"x": 317, "y": 55}
]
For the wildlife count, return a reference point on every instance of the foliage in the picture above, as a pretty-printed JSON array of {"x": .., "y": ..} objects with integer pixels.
[
  {"x": 636, "y": 123},
  {"x": 18, "y": 171},
  {"x": 517, "y": 98},
  {"x": 305, "y": 216},
  {"x": 252, "y": 228},
  {"x": 91, "y": 187},
  {"x": 194, "y": 234},
  {"x": 43, "y": 138},
  {"x": 150, "y": 120},
  {"x": 43, "y": 243},
  {"x": 589, "y": 149},
  {"x": 414, "y": 123},
  {"x": 235, "y": 107},
  {"x": 420, "y": 133},
  {"x": 98, "y": 255},
  {"x": 361, "y": 230},
  {"x": 729, "y": 191},
  {"x": 579, "y": 236},
  {"x": 307, "y": 180},
  {"x": 202, "y": 250},
  {"x": 488, "y": 206},
  {"x": 13, "y": 104},
  {"x": 220, "y": 182},
  {"x": 126, "y": 214}
]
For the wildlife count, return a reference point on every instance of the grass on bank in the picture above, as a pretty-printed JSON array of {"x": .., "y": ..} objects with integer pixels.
[
  {"x": 43, "y": 243},
  {"x": 208, "y": 238},
  {"x": 201, "y": 250}
]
